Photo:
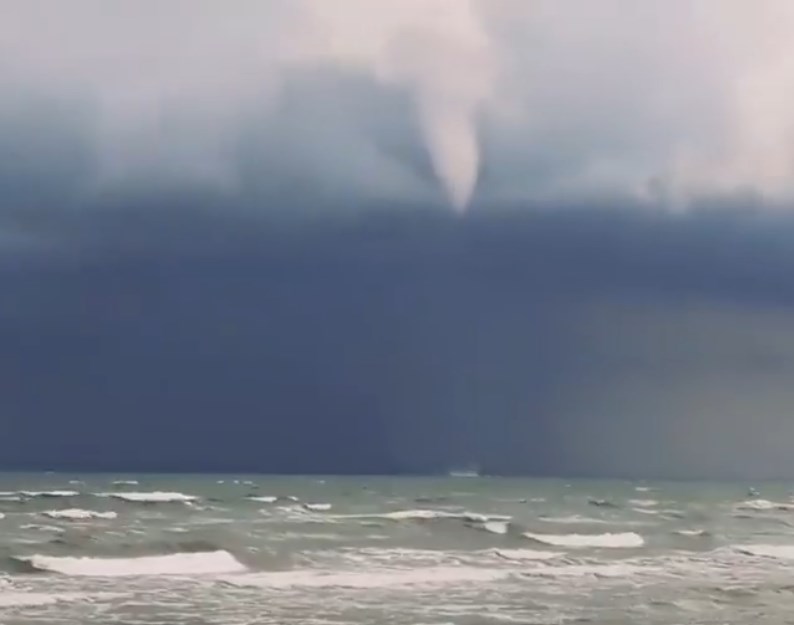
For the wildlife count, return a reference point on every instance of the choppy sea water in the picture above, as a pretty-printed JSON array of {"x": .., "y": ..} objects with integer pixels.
[{"x": 468, "y": 551}]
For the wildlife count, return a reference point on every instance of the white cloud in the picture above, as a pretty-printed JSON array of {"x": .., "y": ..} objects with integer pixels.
[{"x": 564, "y": 98}]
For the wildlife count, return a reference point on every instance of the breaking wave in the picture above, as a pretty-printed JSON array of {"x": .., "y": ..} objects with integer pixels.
[
  {"x": 150, "y": 497},
  {"x": 424, "y": 514},
  {"x": 187, "y": 564},
  {"x": 764, "y": 505},
  {"x": 408, "y": 578},
  {"x": 525, "y": 554},
  {"x": 496, "y": 527},
  {"x": 33, "y": 494},
  {"x": 619, "y": 540},
  {"x": 782, "y": 552},
  {"x": 317, "y": 507},
  {"x": 78, "y": 514}
]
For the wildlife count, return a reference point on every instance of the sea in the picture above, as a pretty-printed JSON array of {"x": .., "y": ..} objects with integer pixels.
[{"x": 245, "y": 550}]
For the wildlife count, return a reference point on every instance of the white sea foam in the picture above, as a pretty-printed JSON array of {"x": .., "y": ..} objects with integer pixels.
[
  {"x": 643, "y": 503},
  {"x": 2, "y": 516},
  {"x": 151, "y": 497},
  {"x": 691, "y": 533},
  {"x": 175, "y": 564},
  {"x": 264, "y": 498},
  {"x": 424, "y": 514},
  {"x": 573, "y": 519},
  {"x": 763, "y": 505},
  {"x": 29, "y": 599},
  {"x": 40, "y": 528},
  {"x": 49, "y": 493},
  {"x": 496, "y": 527},
  {"x": 618, "y": 570},
  {"x": 317, "y": 507},
  {"x": 618, "y": 540},
  {"x": 525, "y": 554},
  {"x": 125, "y": 483},
  {"x": 77, "y": 514},
  {"x": 408, "y": 578},
  {"x": 782, "y": 552}
]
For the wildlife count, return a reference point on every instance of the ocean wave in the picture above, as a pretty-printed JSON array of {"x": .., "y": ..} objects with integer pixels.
[
  {"x": 573, "y": 519},
  {"x": 179, "y": 564},
  {"x": 602, "y": 503},
  {"x": 14, "y": 599},
  {"x": 78, "y": 514},
  {"x": 622, "y": 570},
  {"x": 525, "y": 554},
  {"x": 40, "y": 528},
  {"x": 272, "y": 498},
  {"x": 126, "y": 483},
  {"x": 764, "y": 505},
  {"x": 317, "y": 507},
  {"x": 496, "y": 527},
  {"x": 643, "y": 503},
  {"x": 408, "y": 578},
  {"x": 425, "y": 514},
  {"x": 782, "y": 552},
  {"x": 692, "y": 533},
  {"x": 617, "y": 540},
  {"x": 33, "y": 494},
  {"x": 151, "y": 497}
]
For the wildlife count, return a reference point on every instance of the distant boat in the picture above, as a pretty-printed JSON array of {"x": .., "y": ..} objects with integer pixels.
[{"x": 469, "y": 471}]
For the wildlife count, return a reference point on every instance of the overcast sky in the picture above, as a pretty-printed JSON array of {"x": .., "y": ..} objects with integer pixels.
[{"x": 396, "y": 235}]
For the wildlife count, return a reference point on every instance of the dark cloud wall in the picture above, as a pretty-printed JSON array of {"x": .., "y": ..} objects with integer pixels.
[
  {"x": 281, "y": 241},
  {"x": 573, "y": 340}
]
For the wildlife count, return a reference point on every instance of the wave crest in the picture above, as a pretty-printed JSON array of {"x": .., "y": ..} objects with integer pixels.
[
  {"x": 618, "y": 540},
  {"x": 187, "y": 564}
]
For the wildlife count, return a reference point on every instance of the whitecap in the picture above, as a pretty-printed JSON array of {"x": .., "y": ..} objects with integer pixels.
[
  {"x": 643, "y": 503},
  {"x": 49, "y": 493},
  {"x": 317, "y": 507},
  {"x": 126, "y": 483},
  {"x": 691, "y": 533},
  {"x": 174, "y": 564},
  {"x": 618, "y": 570},
  {"x": 573, "y": 519},
  {"x": 151, "y": 497},
  {"x": 77, "y": 514},
  {"x": 263, "y": 498},
  {"x": 617, "y": 540},
  {"x": 783, "y": 552},
  {"x": 40, "y": 528},
  {"x": 525, "y": 554},
  {"x": 30, "y": 599},
  {"x": 409, "y": 578},
  {"x": 496, "y": 527},
  {"x": 426, "y": 514},
  {"x": 763, "y": 505}
]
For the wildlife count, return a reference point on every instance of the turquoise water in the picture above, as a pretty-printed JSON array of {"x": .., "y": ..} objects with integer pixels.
[{"x": 255, "y": 549}]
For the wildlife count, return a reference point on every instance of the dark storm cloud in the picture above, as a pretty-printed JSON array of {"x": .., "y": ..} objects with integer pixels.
[{"x": 546, "y": 341}]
